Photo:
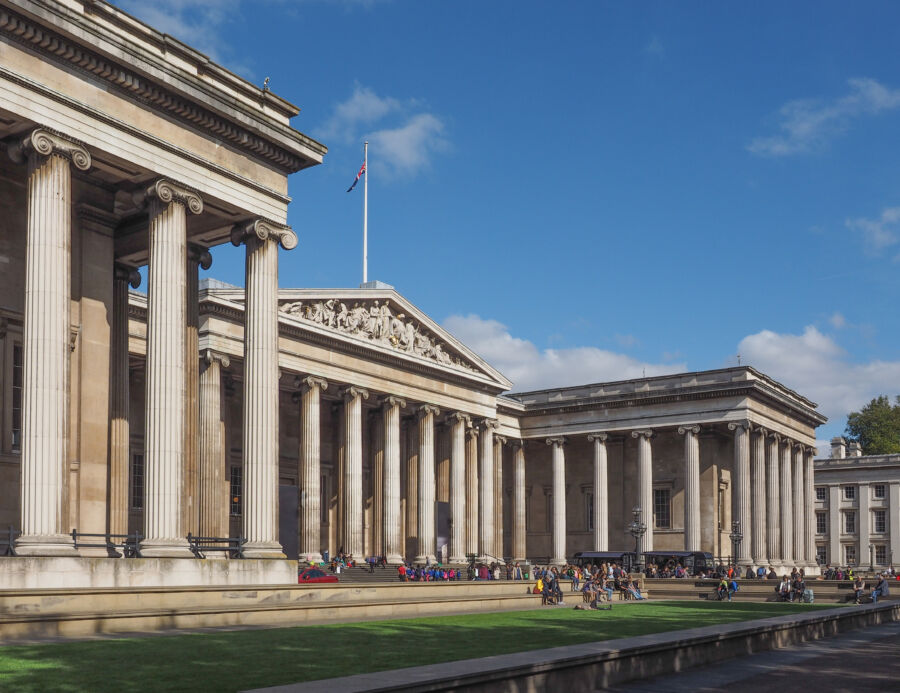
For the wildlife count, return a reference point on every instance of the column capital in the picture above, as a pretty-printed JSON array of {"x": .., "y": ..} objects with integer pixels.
[
  {"x": 427, "y": 409},
  {"x": 391, "y": 401},
  {"x": 472, "y": 432},
  {"x": 200, "y": 255},
  {"x": 643, "y": 433},
  {"x": 353, "y": 391},
  {"x": 735, "y": 425},
  {"x": 516, "y": 443},
  {"x": 459, "y": 417},
  {"x": 128, "y": 274},
  {"x": 798, "y": 446},
  {"x": 762, "y": 430},
  {"x": 775, "y": 436},
  {"x": 492, "y": 424},
  {"x": 311, "y": 381},
  {"x": 558, "y": 440},
  {"x": 693, "y": 428},
  {"x": 499, "y": 440},
  {"x": 264, "y": 230},
  {"x": 47, "y": 142},
  {"x": 167, "y": 191},
  {"x": 222, "y": 359},
  {"x": 598, "y": 437}
]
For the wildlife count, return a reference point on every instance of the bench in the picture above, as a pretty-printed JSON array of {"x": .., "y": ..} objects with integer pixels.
[
  {"x": 129, "y": 546},
  {"x": 233, "y": 547}
]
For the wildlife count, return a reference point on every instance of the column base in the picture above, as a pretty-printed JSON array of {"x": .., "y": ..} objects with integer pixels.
[
  {"x": 426, "y": 559},
  {"x": 456, "y": 560},
  {"x": 310, "y": 558},
  {"x": 165, "y": 548},
  {"x": 394, "y": 559},
  {"x": 45, "y": 545},
  {"x": 558, "y": 561},
  {"x": 263, "y": 549}
]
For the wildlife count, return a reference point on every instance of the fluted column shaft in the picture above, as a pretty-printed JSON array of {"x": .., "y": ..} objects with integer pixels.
[
  {"x": 741, "y": 495},
  {"x": 773, "y": 500},
  {"x": 352, "y": 530},
  {"x": 486, "y": 491},
  {"x": 497, "y": 504},
  {"x": 458, "y": 423},
  {"x": 558, "y": 548},
  {"x": 411, "y": 540},
  {"x": 310, "y": 530},
  {"x": 519, "y": 536},
  {"x": 45, "y": 341},
  {"x": 393, "y": 543},
  {"x": 787, "y": 497},
  {"x": 377, "y": 446},
  {"x": 472, "y": 491},
  {"x": 645, "y": 486},
  {"x": 119, "y": 426},
  {"x": 426, "y": 552},
  {"x": 691, "y": 487},
  {"x": 213, "y": 510},
  {"x": 809, "y": 502},
  {"x": 799, "y": 506},
  {"x": 758, "y": 504},
  {"x": 601, "y": 492}
]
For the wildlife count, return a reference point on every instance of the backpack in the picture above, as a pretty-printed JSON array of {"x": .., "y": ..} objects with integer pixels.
[{"x": 734, "y": 586}]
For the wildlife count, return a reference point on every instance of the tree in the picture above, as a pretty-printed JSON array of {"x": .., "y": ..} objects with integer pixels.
[{"x": 876, "y": 427}]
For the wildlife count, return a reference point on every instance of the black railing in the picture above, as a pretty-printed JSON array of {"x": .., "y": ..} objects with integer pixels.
[
  {"x": 200, "y": 546},
  {"x": 116, "y": 545}
]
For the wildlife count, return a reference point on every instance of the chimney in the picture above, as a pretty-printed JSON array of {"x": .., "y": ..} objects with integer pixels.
[
  {"x": 838, "y": 447},
  {"x": 854, "y": 449}
]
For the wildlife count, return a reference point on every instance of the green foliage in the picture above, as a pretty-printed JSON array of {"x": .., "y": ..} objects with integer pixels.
[{"x": 876, "y": 427}]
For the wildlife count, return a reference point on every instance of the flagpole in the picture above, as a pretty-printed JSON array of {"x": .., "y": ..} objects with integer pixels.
[{"x": 366, "y": 213}]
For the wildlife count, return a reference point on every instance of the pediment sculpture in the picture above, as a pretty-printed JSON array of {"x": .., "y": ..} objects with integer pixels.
[{"x": 375, "y": 321}]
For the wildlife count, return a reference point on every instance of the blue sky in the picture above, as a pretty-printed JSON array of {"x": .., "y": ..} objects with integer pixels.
[{"x": 590, "y": 191}]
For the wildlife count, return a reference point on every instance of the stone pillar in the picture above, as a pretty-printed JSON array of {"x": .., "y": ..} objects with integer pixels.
[
  {"x": 45, "y": 340},
  {"x": 519, "y": 546},
  {"x": 799, "y": 507},
  {"x": 376, "y": 444},
  {"x": 426, "y": 552},
  {"x": 558, "y": 549},
  {"x": 472, "y": 496},
  {"x": 310, "y": 530},
  {"x": 691, "y": 487},
  {"x": 787, "y": 496},
  {"x": 197, "y": 257},
  {"x": 773, "y": 501},
  {"x": 393, "y": 542},
  {"x": 740, "y": 503},
  {"x": 411, "y": 540},
  {"x": 499, "y": 442},
  {"x": 213, "y": 510},
  {"x": 835, "y": 557},
  {"x": 864, "y": 560},
  {"x": 442, "y": 463},
  {"x": 458, "y": 422},
  {"x": 645, "y": 486},
  {"x": 810, "y": 504},
  {"x": 119, "y": 427},
  {"x": 486, "y": 491},
  {"x": 260, "y": 411},
  {"x": 601, "y": 492},
  {"x": 758, "y": 493},
  {"x": 352, "y": 529},
  {"x": 164, "y": 534},
  {"x": 893, "y": 523}
]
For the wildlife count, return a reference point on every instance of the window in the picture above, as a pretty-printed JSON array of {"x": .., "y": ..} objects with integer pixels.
[
  {"x": 821, "y": 523},
  {"x": 17, "y": 399},
  {"x": 236, "y": 490},
  {"x": 849, "y": 492},
  {"x": 662, "y": 510},
  {"x": 850, "y": 522},
  {"x": 850, "y": 554},
  {"x": 880, "y": 554},
  {"x": 137, "y": 481},
  {"x": 878, "y": 490},
  {"x": 820, "y": 493},
  {"x": 821, "y": 555},
  {"x": 589, "y": 509},
  {"x": 879, "y": 521}
]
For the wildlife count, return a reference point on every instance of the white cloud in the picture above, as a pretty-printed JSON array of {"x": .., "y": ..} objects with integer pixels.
[
  {"x": 838, "y": 321},
  {"x": 362, "y": 108},
  {"x": 531, "y": 368},
  {"x": 814, "y": 365},
  {"x": 880, "y": 233},
  {"x": 807, "y": 124},
  {"x": 408, "y": 148}
]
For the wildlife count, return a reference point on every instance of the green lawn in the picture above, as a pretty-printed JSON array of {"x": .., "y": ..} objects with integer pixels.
[{"x": 237, "y": 660}]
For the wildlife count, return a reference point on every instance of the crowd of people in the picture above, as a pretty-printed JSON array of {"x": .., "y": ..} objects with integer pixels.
[{"x": 596, "y": 583}]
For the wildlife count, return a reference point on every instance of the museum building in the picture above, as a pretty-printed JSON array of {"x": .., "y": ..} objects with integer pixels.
[{"x": 303, "y": 421}]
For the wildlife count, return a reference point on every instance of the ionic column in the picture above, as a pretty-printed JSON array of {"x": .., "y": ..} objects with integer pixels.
[
  {"x": 645, "y": 486},
  {"x": 411, "y": 540},
  {"x": 310, "y": 530},
  {"x": 376, "y": 445},
  {"x": 260, "y": 414},
  {"x": 787, "y": 497},
  {"x": 558, "y": 550},
  {"x": 810, "y": 504},
  {"x": 393, "y": 542},
  {"x": 197, "y": 257},
  {"x": 426, "y": 552},
  {"x": 213, "y": 515},
  {"x": 499, "y": 442},
  {"x": 741, "y": 496},
  {"x": 119, "y": 427},
  {"x": 519, "y": 547},
  {"x": 758, "y": 492},
  {"x": 45, "y": 340},
  {"x": 442, "y": 463},
  {"x": 472, "y": 491},
  {"x": 486, "y": 490},
  {"x": 799, "y": 506},
  {"x": 601, "y": 491},
  {"x": 773, "y": 500},
  {"x": 352, "y": 530},
  {"x": 691, "y": 487},
  {"x": 458, "y": 422},
  {"x": 165, "y": 371}
]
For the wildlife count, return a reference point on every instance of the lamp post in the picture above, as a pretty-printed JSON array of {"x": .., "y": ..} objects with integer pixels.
[
  {"x": 637, "y": 530},
  {"x": 735, "y": 536}
]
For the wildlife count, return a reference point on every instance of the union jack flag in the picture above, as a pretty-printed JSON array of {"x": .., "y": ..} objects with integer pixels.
[{"x": 362, "y": 171}]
